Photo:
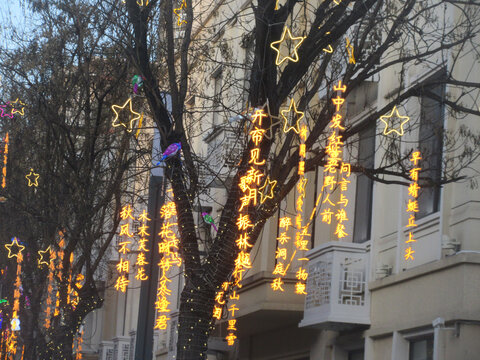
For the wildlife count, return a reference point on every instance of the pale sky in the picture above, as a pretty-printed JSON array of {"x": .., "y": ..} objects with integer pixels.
[{"x": 12, "y": 12}]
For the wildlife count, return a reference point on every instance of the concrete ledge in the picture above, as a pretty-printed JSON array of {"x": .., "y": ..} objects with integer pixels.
[{"x": 434, "y": 266}]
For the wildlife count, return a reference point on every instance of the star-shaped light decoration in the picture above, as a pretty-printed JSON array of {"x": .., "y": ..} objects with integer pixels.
[
  {"x": 135, "y": 116},
  {"x": 266, "y": 190},
  {"x": 11, "y": 252},
  {"x": 351, "y": 56},
  {"x": 177, "y": 11},
  {"x": 4, "y": 112},
  {"x": 42, "y": 253},
  {"x": 294, "y": 57},
  {"x": 386, "y": 119},
  {"x": 15, "y": 109},
  {"x": 286, "y": 125},
  {"x": 32, "y": 178}
]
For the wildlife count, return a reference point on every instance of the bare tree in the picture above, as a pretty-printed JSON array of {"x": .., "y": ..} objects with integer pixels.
[
  {"x": 67, "y": 76},
  {"x": 387, "y": 37},
  {"x": 74, "y": 68}
]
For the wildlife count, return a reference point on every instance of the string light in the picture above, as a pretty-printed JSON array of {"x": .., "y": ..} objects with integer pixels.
[
  {"x": 5, "y": 158},
  {"x": 51, "y": 270},
  {"x": 15, "y": 322},
  {"x": 59, "y": 270}
]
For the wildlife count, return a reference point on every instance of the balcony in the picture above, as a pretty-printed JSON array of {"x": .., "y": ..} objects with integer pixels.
[{"x": 337, "y": 287}]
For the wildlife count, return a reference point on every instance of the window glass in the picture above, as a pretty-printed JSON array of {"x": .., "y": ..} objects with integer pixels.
[
  {"x": 217, "y": 97},
  {"x": 364, "y": 188},
  {"x": 431, "y": 143},
  {"x": 356, "y": 354},
  {"x": 421, "y": 349}
]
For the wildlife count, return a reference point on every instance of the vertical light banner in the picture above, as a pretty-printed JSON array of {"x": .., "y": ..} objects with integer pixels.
[
  {"x": 301, "y": 235},
  {"x": 336, "y": 171},
  {"x": 142, "y": 250},
  {"x": 48, "y": 309},
  {"x": 78, "y": 353},
  {"x": 168, "y": 249},
  {"x": 5, "y": 158},
  {"x": 59, "y": 256},
  {"x": 70, "y": 289},
  {"x": 412, "y": 205},
  {"x": 281, "y": 254},
  {"x": 78, "y": 285},
  {"x": 15, "y": 322},
  {"x": 249, "y": 185},
  {"x": 123, "y": 266}
]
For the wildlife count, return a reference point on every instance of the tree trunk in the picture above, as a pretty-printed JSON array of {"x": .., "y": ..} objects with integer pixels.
[{"x": 195, "y": 322}]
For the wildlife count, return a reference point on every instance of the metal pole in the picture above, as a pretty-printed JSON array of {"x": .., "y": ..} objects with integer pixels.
[{"x": 148, "y": 290}]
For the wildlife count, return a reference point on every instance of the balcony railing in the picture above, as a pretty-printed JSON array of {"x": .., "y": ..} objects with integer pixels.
[{"x": 337, "y": 286}]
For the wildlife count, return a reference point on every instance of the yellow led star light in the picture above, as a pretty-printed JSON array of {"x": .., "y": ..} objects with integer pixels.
[
  {"x": 116, "y": 123},
  {"x": 351, "y": 57},
  {"x": 32, "y": 178},
  {"x": 299, "y": 39},
  {"x": 17, "y": 245},
  {"x": 42, "y": 253},
  {"x": 286, "y": 126},
  {"x": 266, "y": 190},
  {"x": 15, "y": 110},
  {"x": 177, "y": 11},
  {"x": 385, "y": 120}
]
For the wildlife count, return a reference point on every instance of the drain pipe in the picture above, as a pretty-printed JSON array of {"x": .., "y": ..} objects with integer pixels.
[{"x": 439, "y": 337}]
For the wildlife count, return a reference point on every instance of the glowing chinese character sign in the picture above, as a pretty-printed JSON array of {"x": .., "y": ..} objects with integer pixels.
[
  {"x": 412, "y": 205},
  {"x": 336, "y": 171},
  {"x": 168, "y": 248},
  {"x": 123, "y": 266},
  {"x": 5, "y": 158},
  {"x": 142, "y": 250}
]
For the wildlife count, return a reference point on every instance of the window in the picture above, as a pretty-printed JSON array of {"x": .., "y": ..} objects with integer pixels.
[
  {"x": 356, "y": 354},
  {"x": 364, "y": 190},
  {"x": 217, "y": 96},
  {"x": 421, "y": 349},
  {"x": 431, "y": 143}
]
